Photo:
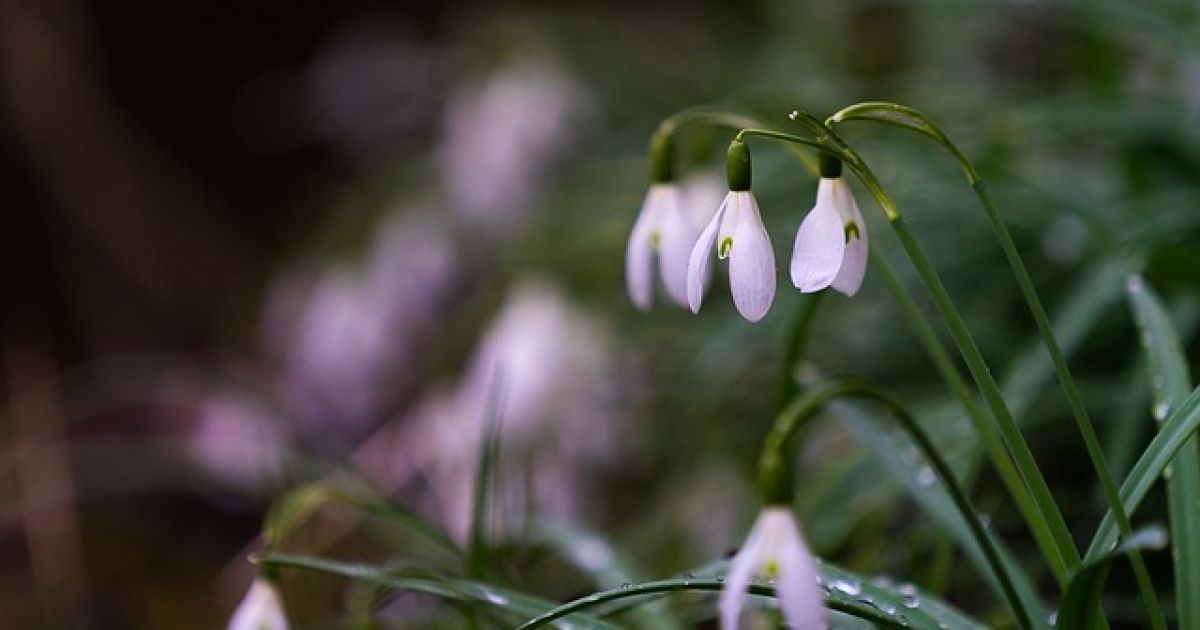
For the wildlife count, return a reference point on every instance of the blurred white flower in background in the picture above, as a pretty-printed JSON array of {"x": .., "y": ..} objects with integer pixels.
[
  {"x": 501, "y": 134},
  {"x": 262, "y": 609},
  {"x": 549, "y": 366},
  {"x": 238, "y": 440},
  {"x": 351, "y": 333}
]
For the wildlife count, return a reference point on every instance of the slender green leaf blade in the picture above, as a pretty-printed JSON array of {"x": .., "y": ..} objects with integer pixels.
[
  {"x": 1080, "y": 606},
  {"x": 879, "y": 601},
  {"x": 1171, "y": 382},
  {"x": 516, "y": 604},
  {"x": 1179, "y": 426}
]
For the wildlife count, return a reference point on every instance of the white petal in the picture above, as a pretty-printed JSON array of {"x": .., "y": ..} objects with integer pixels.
[
  {"x": 639, "y": 254},
  {"x": 752, "y": 262},
  {"x": 741, "y": 570},
  {"x": 677, "y": 237},
  {"x": 854, "y": 261},
  {"x": 820, "y": 243},
  {"x": 260, "y": 610},
  {"x": 797, "y": 589},
  {"x": 701, "y": 258}
]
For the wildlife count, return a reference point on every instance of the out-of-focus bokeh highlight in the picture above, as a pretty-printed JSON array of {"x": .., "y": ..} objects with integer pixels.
[{"x": 247, "y": 246}]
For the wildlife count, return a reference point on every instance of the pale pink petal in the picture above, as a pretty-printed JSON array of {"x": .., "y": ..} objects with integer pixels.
[
  {"x": 854, "y": 261},
  {"x": 677, "y": 237},
  {"x": 639, "y": 254},
  {"x": 701, "y": 258},
  {"x": 752, "y": 262},
  {"x": 797, "y": 589},
  {"x": 741, "y": 570},
  {"x": 820, "y": 243}
]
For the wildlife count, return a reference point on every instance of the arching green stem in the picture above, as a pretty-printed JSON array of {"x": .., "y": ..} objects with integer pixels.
[
  {"x": 775, "y": 476},
  {"x": 909, "y": 118},
  {"x": 1048, "y": 527}
]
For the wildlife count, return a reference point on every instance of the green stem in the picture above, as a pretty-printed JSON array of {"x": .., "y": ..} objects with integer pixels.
[
  {"x": 1049, "y": 528},
  {"x": 1075, "y": 401},
  {"x": 908, "y": 118},
  {"x": 958, "y": 386},
  {"x": 1060, "y": 549},
  {"x": 773, "y": 469},
  {"x": 797, "y": 341}
]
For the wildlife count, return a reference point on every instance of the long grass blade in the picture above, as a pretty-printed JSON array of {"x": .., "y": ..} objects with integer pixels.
[
  {"x": 1177, "y": 429},
  {"x": 513, "y": 603},
  {"x": 1080, "y": 606},
  {"x": 1171, "y": 381},
  {"x": 878, "y": 601}
]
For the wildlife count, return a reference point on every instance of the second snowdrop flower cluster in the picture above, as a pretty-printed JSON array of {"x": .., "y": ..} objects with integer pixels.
[{"x": 830, "y": 247}]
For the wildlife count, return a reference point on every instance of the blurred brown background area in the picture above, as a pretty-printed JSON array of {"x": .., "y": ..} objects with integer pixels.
[{"x": 142, "y": 205}]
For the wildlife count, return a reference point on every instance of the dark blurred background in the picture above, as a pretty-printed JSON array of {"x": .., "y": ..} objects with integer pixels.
[{"x": 244, "y": 245}]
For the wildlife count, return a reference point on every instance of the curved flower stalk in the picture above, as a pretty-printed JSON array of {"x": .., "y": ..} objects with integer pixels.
[
  {"x": 775, "y": 475},
  {"x": 831, "y": 244},
  {"x": 261, "y": 609},
  {"x": 736, "y": 232},
  {"x": 661, "y": 228},
  {"x": 775, "y": 550}
]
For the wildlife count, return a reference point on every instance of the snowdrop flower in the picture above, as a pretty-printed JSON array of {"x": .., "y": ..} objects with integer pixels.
[
  {"x": 775, "y": 550},
  {"x": 736, "y": 232},
  {"x": 662, "y": 228},
  {"x": 831, "y": 245},
  {"x": 260, "y": 610}
]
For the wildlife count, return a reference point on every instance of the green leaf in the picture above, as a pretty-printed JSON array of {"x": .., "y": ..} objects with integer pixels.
[
  {"x": 1080, "y": 606},
  {"x": 594, "y": 556},
  {"x": 914, "y": 476},
  {"x": 295, "y": 507},
  {"x": 1179, "y": 426},
  {"x": 485, "y": 474},
  {"x": 1171, "y": 381},
  {"x": 879, "y": 601},
  {"x": 516, "y": 604}
]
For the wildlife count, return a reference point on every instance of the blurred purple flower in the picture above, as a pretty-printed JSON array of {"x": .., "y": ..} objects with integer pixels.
[
  {"x": 549, "y": 367},
  {"x": 500, "y": 135}
]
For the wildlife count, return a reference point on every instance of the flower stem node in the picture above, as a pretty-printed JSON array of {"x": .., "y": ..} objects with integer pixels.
[
  {"x": 662, "y": 168},
  {"x": 737, "y": 165},
  {"x": 736, "y": 232},
  {"x": 831, "y": 244},
  {"x": 775, "y": 550}
]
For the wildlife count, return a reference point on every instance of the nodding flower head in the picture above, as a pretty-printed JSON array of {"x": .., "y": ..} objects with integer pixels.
[
  {"x": 736, "y": 232},
  {"x": 261, "y": 609},
  {"x": 661, "y": 228},
  {"x": 831, "y": 245},
  {"x": 775, "y": 550}
]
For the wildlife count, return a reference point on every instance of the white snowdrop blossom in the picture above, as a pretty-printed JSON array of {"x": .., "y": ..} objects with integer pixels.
[
  {"x": 775, "y": 550},
  {"x": 736, "y": 232},
  {"x": 831, "y": 245},
  {"x": 661, "y": 228},
  {"x": 261, "y": 609}
]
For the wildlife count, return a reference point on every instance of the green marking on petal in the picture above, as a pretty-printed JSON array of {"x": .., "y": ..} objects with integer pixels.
[
  {"x": 724, "y": 247},
  {"x": 852, "y": 230},
  {"x": 655, "y": 239}
]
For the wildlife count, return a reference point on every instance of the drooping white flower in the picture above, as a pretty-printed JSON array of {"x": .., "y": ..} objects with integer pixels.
[
  {"x": 663, "y": 229},
  {"x": 775, "y": 550},
  {"x": 261, "y": 609},
  {"x": 831, "y": 244},
  {"x": 736, "y": 232}
]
